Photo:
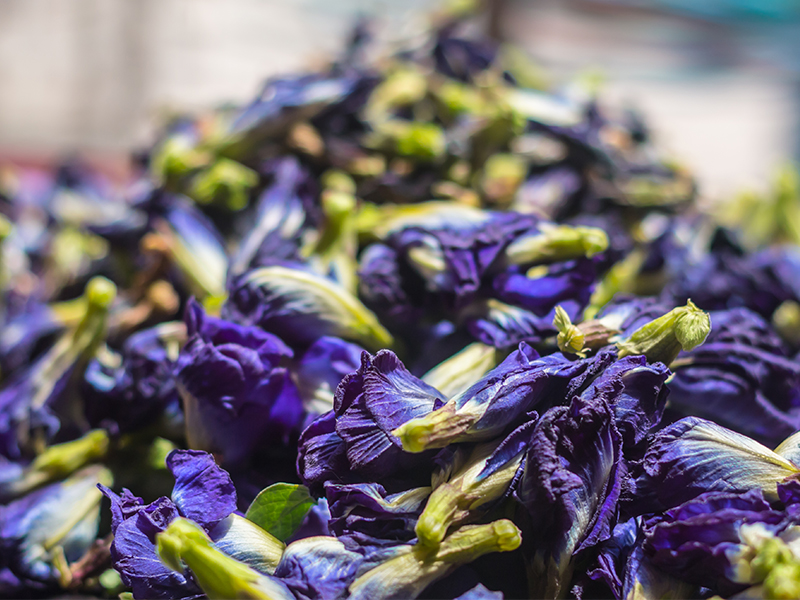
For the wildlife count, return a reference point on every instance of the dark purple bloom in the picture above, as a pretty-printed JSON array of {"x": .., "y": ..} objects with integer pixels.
[
  {"x": 368, "y": 509},
  {"x": 523, "y": 382},
  {"x": 285, "y": 100},
  {"x": 623, "y": 568},
  {"x": 740, "y": 378},
  {"x": 504, "y": 326},
  {"x": 726, "y": 278},
  {"x": 568, "y": 283},
  {"x": 693, "y": 456},
  {"x": 637, "y": 394},
  {"x": 318, "y": 568},
  {"x": 444, "y": 267},
  {"x": 203, "y": 492},
  {"x": 462, "y": 58},
  {"x": 570, "y": 486},
  {"x": 356, "y": 437},
  {"x": 283, "y": 213},
  {"x": 25, "y": 334},
  {"x": 138, "y": 391},
  {"x": 696, "y": 541},
  {"x": 235, "y": 390}
]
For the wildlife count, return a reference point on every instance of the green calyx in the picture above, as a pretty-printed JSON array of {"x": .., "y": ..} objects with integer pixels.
[
  {"x": 408, "y": 573},
  {"x": 100, "y": 292},
  {"x": 434, "y": 430},
  {"x": 457, "y": 500},
  {"x": 226, "y": 181},
  {"x": 557, "y": 242},
  {"x": 570, "y": 338},
  {"x": 682, "y": 328},
  {"x": 219, "y": 575}
]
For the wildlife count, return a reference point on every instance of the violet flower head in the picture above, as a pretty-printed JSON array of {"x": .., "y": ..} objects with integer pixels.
[
  {"x": 741, "y": 377},
  {"x": 571, "y": 484},
  {"x": 356, "y": 439},
  {"x": 234, "y": 387},
  {"x": 203, "y": 492}
]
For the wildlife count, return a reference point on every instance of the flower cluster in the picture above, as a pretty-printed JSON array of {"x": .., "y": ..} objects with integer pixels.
[{"x": 409, "y": 326}]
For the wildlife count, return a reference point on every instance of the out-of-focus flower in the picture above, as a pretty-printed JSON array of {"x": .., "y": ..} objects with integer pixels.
[
  {"x": 45, "y": 531},
  {"x": 301, "y": 307},
  {"x": 37, "y": 402},
  {"x": 741, "y": 377},
  {"x": 235, "y": 387},
  {"x": 129, "y": 390}
]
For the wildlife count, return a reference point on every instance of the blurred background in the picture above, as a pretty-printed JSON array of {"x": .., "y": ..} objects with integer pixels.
[{"x": 716, "y": 80}]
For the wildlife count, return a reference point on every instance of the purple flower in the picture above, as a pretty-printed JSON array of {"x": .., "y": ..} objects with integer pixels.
[
  {"x": 283, "y": 212},
  {"x": 203, "y": 492},
  {"x": 693, "y": 456},
  {"x": 740, "y": 378},
  {"x": 138, "y": 391},
  {"x": 235, "y": 389},
  {"x": 523, "y": 382},
  {"x": 570, "y": 486},
  {"x": 698, "y": 540},
  {"x": 355, "y": 439},
  {"x": 366, "y": 508}
]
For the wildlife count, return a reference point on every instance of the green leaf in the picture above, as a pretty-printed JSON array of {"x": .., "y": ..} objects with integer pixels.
[{"x": 280, "y": 508}]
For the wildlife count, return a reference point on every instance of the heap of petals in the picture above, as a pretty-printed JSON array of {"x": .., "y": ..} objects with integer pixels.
[{"x": 412, "y": 325}]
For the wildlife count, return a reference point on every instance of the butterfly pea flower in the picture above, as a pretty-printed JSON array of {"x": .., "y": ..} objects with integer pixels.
[
  {"x": 570, "y": 487},
  {"x": 192, "y": 244},
  {"x": 707, "y": 540},
  {"x": 471, "y": 483},
  {"x": 623, "y": 568},
  {"x": 235, "y": 387},
  {"x": 517, "y": 386},
  {"x": 203, "y": 493},
  {"x": 318, "y": 568},
  {"x": 741, "y": 378},
  {"x": 462, "y": 58},
  {"x": 284, "y": 212},
  {"x": 136, "y": 387},
  {"x": 283, "y": 102},
  {"x": 23, "y": 331},
  {"x": 220, "y": 576},
  {"x": 50, "y": 528},
  {"x": 356, "y": 437},
  {"x": 57, "y": 462},
  {"x": 34, "y": 403},
  {"x": 693, "y": 456},
  {"x": 405, "y": 571},
  {"x": 300, "y": 307},
  {"x": 368, "y": 509},
  {"x": 505, "y": 326}
]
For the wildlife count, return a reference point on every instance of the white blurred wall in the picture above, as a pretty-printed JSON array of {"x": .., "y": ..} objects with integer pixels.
[{"x": 96, "y": 74}]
